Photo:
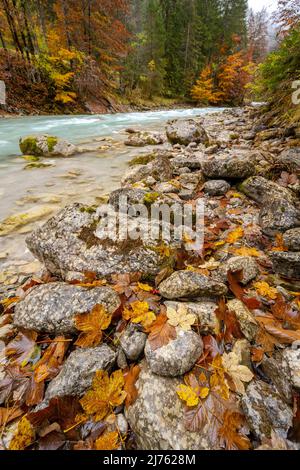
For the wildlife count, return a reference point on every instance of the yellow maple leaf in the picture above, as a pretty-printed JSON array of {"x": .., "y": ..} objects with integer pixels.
[
  {"x": 235, "y": 235},
  {"x": 217, "y": 379},
  {"x": 145, "y": 287},
  {"x": 265, "y": 290},
  {"x": 106, "y": 393},
  {"x": 238, "y": 373},
  {"x": 109, "y": 441},
  {"x": 24, "y": 435},
  {"x": 190, "y": 395},
  {"x": 246, "y": 251},
  {"x": 138, "y": 312},
  {"x": 91, "y": 326},
  {"x": 181, "y": 318}
]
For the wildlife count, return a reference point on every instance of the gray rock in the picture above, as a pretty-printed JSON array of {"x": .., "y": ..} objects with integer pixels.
[
  {"x": 191, "y": 181},
  {"x": 133, "y": 342},
  {"x": 205, "y": 312},
  {"x": 157, "y": 416},
  {"x": 192, "y": 162},
  {"x": 70, "y": 244},
  {"x": 276, "y": 368},
  {"x": 260, "y": 189},
  {"x": 237, "y": 164},
  {"x": 51, "y": 308},
  {"x": 166, "y": 188},
  {"x": 177, "y": 357},
  {"x": 287, "y": 264},
  {"x": 77, "y": 373},
  {"x": 292, "y": 357},
  {"x": 132, "y": 195},
  {"x": 237, "y": 263},
  {"x": 291, "y": 239},
  {"x": 246, "y": 319},
  {"x": 141, "y": 139},
  {"x": 186, "y": 131},
  {"x": 190, "y": 284},
  {"x": 279, "y": 211},
  {"x": 290, "y": 159},
  {"x": 216, "y": 187},
  {"x": 278, "y": 215},
  {"x": 265, "y": 410},
  {"x": 160, "y": 169},
  {"x": 46, "y": 146}
]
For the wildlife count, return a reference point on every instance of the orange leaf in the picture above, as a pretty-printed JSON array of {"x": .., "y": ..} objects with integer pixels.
[
  {"x": 161, "y": 332},
  {"x": 230, "y": 434},
  {"x": 92, "y": 324},
  {"x": 130, "y": 379}
]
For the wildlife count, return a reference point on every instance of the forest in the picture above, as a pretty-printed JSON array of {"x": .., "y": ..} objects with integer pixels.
[{"x": 73, "y": 55}]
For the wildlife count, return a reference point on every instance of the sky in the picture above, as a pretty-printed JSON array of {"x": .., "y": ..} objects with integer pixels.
[{"x": 259, "y": 4}]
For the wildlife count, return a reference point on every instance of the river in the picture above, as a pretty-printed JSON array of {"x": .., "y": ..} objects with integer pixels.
[{"x": 86, "y": 177}]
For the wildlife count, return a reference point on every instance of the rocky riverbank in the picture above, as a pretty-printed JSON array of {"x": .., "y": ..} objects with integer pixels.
[{"x": 152, "y": 345}]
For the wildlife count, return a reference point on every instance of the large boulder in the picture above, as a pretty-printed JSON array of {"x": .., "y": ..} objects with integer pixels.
[
  {"x": 237, "y": 164},
  {"x": 77, "y": 373},
  {"x": 46, "y": 146},
  {"x": 176, "y": 358},
  {"x": 51, "y": 308},
  {"x": 141, "y": 139},
  {"x": 157, "y": 416},
  {"x": 190, "y": 284},
  {"x": 186, "y": 131},
  {"x": 71, "y": 243}
]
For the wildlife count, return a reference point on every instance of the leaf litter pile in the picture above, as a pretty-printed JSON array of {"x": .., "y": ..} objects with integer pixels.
[{"x": 255, "y": 322}]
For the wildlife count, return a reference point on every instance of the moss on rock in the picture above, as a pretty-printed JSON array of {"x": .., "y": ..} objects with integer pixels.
[
  {"x": 29, "y": 146},
  {"x": 51, "y": 142}
]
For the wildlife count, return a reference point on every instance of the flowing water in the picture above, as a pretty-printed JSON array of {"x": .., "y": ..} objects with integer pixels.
[{"x": 84, "y": 177}]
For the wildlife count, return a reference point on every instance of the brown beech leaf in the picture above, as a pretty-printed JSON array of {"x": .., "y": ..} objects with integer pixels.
[
  {"x": 231, "y": 326},
  {"x": 230, "y": 433},
  {"x": 130, "y": 379},
  {"x": 9, "y": 414},
  {"x": 91, "y": 326},
  {"x": 282, "y": 311},
  {"x": 234, "y": 280},
  {"x": 22, "y": 348},
  {"x": 274, "y": 328},
  {"x": 48, "y": 366},
  {"x": 161, "y": 332}
]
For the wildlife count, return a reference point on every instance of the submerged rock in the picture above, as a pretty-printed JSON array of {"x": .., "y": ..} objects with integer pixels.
[
  {"x": 266, "y": 411},
  {"x": 190, "y": 284},
  {"x": 157, "y": 416},
  {"x": 77, "y": 373},
  {"x": 176, "y": 358},
  {"x": 51, "y": 308},
  {"x": 186, "y": 131},
  {"x": 46, "y": 146},
  {"x": 17, "y": 221}
]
